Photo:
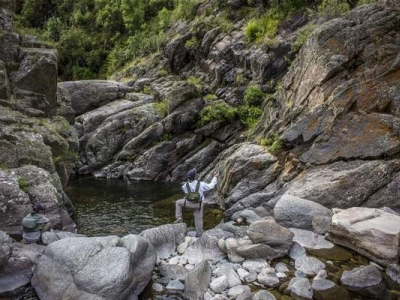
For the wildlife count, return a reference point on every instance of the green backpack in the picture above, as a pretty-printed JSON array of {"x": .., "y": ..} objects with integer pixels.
[
  {"x": 29, "y": 223},
  {"x": 193, "y": 196}
]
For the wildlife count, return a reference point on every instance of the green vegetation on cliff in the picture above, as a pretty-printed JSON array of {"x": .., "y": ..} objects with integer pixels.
[{"x": 95, "y": 38}]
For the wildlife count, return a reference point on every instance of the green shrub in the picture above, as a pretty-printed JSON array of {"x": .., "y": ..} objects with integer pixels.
[
  {"x": 220, "y": 111},
  {"x": 331, "y": 9},
  {"x": 240, "y": 79},
  {"x": 210, "y": 97},
  {"x": 195, "y": 80},
  {"x": 253, "y": 30},
  {"x": 267, "y": 25},
  {"x": 362, "y": 2},
  {"x": 67, "y": 157},
  {"x": 301, "y": 38},
  {"x": 272, "y": 143},
  {"x": 253, "y": 96},
  {"x": 192, "y": 43},
  {"x": 23, "y": 184},
  {"x": 249, "y": 116},
  {"x": 161, "y": 108},
  {"x": 162, "y": 73}
]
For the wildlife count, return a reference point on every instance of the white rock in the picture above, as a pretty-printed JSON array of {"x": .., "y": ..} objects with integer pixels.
[
  {"x": 174, "y": 260},
  {"x": 310, "y": 240},
  {"x": 321, "y": 275},
  {"x": 251, "y": 277},
  {"x": 238, "y": 290},
  {"x": 281, "y": 275},
  {"x": 219, "y": 285},
  {"x": 175, "y": 285},
  {"x": 309, "y": 265},
  {"x": 281, "y": 268},
  {"x": 242, "y": 273},
  {"x": 189, "y": 267},
  {"x": 256, "y": 264},
  {"x": 182, "y": 247},
  {"x": 157, "y": 288},
  {"x": 268, "y": 277}
]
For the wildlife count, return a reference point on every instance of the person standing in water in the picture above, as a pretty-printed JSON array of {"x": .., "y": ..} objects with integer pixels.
[{"x": 194, "y": 199}]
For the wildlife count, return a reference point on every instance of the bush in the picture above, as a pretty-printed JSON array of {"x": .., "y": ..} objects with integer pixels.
[
  {"x": 331, "y": 9},
  {"x": 210, "y": 97},
  {"x": 23, "y": 184},
  {"x": 253, "y": 96},
  {"x": 267, "y": 24},
  {"x": 301, "y": 38},
  {"x": 249, "y": 116},
  {"x": 67, "y": 156},
  {"x": 272, "y": 143},
  {"x": 217, "y": 112},
  {"x": 161, "y": 108}
]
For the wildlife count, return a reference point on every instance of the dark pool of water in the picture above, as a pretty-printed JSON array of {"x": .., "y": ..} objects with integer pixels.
[
  {"x": 113, "y": 206},
  {"x": 117, "y": 207}
]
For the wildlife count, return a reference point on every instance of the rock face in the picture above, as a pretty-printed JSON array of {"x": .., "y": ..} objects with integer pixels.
[
  {"x": 362, "y": 229},
  {"x": 22, "y": 185},
  {"x": 80, "y": 268},
  {"x": 37, "y": 143},
  {"x": 291, "y": 211}
]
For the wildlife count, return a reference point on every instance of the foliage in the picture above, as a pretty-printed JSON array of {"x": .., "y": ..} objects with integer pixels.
[
  {"x": 249, "y": 115},
  {"x": 218, "y": 112},
  {"x": 253, "y": 96},
  {"x": 161, "y": 108},
  {"x": 331, "y": 9},
  {"x": 267, "y": 24},
  {"x": 23, "y": 184},
  {"x": 162, "y": 73},
  {"x": 210, "y": 97},
  {"x": 67, "y": 157},
  {"x": 96, "y": 37},
  {"x": 195, "y": 80},
  {"x": 362, "y": 2},
  {"x": 301, "y": 38},
  {"x": 272, "y": 143}
]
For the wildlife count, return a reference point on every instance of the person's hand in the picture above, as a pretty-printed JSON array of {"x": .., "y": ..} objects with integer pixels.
[{"x": 216, "y": 174}]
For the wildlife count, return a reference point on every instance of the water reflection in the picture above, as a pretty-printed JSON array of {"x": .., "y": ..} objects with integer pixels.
[{"x": 111, "y": 206}]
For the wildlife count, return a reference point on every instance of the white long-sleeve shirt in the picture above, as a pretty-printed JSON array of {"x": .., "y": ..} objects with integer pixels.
[{"x": 202, "y": 188}]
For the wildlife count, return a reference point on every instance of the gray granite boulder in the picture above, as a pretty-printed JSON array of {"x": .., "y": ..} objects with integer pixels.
[
  {"x": 15, "y": 276},
  {"x": 292, "y": 211},
  {"x": 87, "y": 95},
  {"x": 206, "y": 247},
  {"x": 197, "y": 281},
  {"x": 361, "y": 229},
  {"x": 165, "y": 238},
  {"x": 272, "y": 234},
  {"x": 365, "y": 281},
  {"x": 324, "y": 289},
  {"x": 94, "y": 268}
]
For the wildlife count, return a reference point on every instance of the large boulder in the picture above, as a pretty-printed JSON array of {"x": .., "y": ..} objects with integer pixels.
[
  {"x": 197, "y": 281},
  {"x": 361, "y": 229},
  {"x": 165, "y": 238},
  {"x": 343, "y": 184},
  {"x": 15, "y": 276},
  {"x": 248, "y": 168},
  {"x": 206, "y": 247},
  {"x": 270, "y": 233},
  {"x": 292, "y": 211},
  {"x": 87, "y": 95},
  {"x": 37, "y": 74},
  {"x": 365, "y": 281},
  {"x": 94, "y": 268}
]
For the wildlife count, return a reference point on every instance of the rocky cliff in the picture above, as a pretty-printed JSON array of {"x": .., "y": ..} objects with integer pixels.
[
  {"x": 334, "y": 111},
  {"x": 37, "y": 140}
]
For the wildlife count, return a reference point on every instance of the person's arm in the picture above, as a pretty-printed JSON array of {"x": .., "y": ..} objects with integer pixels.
[
  {"x": 209, "y": 186},
  {"x": 184, "y": 189},
  {"x": 43, "y": 220}
]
